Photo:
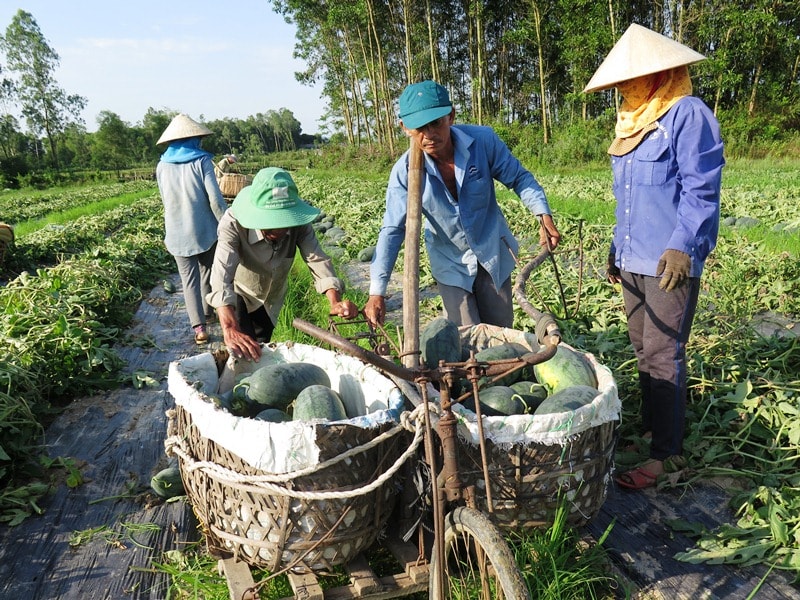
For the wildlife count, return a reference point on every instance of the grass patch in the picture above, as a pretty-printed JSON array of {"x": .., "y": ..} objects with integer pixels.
[{"x": 78, "y": 212}]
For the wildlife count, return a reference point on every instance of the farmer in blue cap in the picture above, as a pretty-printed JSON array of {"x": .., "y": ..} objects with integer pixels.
[
  {"x": 259, "y": 235},
  {"x": 468, "y": 239}
]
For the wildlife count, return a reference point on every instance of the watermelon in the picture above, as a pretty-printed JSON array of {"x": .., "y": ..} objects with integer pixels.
[
  {"x": 504, "y": 352},
  {"x": 168, "y": 483},
  {"x": 318, "y": 402},
  {"x": 440, "y": 340},
  {"x": 366, "y": 254},
  {"x": 273, "y": 415},
  {"x": 565, "y": 369},
  {"x": 278, "y": 384},
  {"x": 531, "y": 393},
  {"x": 567, "y": 399},
  {"x": 496, "y": 401}
]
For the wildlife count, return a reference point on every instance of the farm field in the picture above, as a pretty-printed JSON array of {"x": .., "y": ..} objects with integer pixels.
[{"x": 87, "y": 276}]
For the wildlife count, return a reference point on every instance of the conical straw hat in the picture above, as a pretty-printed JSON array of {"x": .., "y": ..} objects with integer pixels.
[
  {"x": 640, "y": 51},
  {"x": 183, "y": 126}
]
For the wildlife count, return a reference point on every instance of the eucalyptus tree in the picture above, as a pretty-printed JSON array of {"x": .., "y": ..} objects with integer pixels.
[{"x": 47, "y": 108}]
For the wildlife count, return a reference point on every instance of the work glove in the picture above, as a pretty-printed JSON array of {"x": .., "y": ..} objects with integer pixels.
[
  {"x": 673, "y": 267},
  {"x": 612, "y": 270}
]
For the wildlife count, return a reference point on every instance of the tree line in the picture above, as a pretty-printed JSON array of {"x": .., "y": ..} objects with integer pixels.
[
  {"x": 519, "y": 65},
  {"x": 527, "y": 61},
  {"x": 56, "y": 139}
]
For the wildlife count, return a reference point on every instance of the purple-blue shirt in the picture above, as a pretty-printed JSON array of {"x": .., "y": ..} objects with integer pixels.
[
  {"x": 462, "y": 232},
  {"x": 668, "y": 190}
]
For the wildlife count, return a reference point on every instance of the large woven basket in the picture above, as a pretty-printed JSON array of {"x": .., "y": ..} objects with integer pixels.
[
  {"x": 231, "y": 184},
  {"x": 532, "y": 472},
  {"x": 261, "y": 517}
]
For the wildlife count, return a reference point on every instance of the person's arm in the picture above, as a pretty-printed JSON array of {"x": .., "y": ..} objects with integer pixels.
[
  {"x": 342, "y": 308},
  {"x": 390, "y": 239},
  {"x": 325, "y": 279},
  {"x": 238, "y": 343},
  {"x": 215, "y": 199}
]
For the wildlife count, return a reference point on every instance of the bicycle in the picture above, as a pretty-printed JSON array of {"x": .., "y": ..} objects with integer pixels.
[{"x": 470, "y": 557}]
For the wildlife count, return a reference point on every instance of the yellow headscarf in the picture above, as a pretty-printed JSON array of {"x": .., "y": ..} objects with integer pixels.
[{"x": 642, "y": 105}]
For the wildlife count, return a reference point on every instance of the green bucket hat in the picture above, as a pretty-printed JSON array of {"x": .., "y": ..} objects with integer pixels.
[
  {"x": 272, "y": 202},
  {"x": 423, "y": 102}
]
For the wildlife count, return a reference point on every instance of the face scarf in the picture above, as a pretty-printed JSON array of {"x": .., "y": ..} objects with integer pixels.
[
  {"x": 184, "y": 150},
  {"x": 645, "y": 99}
]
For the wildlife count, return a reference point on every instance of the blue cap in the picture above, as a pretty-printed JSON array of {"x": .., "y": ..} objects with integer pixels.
[{"x": 423, "y": 102}]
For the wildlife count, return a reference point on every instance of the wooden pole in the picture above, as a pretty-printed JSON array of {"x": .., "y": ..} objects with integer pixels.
[{"x": 411, "y": 264}]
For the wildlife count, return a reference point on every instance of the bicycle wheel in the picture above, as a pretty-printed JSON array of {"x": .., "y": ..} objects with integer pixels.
[{"x": 478, "y": 562}]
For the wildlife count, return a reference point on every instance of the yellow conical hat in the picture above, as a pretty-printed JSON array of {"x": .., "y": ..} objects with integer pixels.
[{"x": 640, "y": 51}]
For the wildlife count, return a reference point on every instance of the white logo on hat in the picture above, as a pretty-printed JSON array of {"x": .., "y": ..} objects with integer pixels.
[{"x": 280, "y": 192}]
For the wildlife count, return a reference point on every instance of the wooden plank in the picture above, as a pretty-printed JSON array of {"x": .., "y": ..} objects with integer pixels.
[
  {"x": 362, "y": 577},
  {"x": 239, "y": 579},
  {"x": 408, "y": 556},
  {"x": 305, "y": 586}
]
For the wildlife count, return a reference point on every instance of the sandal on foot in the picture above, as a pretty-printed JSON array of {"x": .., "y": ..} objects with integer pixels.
[{"x": 637, "y": 479}]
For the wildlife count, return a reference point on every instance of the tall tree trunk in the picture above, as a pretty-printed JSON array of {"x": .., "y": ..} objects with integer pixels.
[
  {"x": 751, "y": 104},
  {"x": 718, "y": 93},
  {"x": 537, "y": 22},
  {"x": 432, "y": 42},
  {"x": 407, "y": 28},
  {"x": 480, "y": 84}
]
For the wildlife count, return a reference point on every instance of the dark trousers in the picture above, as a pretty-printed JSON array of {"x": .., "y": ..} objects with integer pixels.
[
  {"x": 485, "y": 304},
  {"x": 256, "y": 324},
  {"x": 659, "y": 323}
]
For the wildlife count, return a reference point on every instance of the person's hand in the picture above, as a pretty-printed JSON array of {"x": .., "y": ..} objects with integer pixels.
[
  {"x": 549, "y": 235},
  {"x": 375, "y": 310},
  {"x": 345, "y": 309},
  {"x": 612, "y": 270},
  {"x": 238, "y": 343},
  {"x": 673, "y": 267}
]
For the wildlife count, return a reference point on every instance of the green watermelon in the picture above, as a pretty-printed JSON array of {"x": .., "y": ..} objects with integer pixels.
[
  {"x": 531, "y": 393},
  {"x": 565, "y": 369},
  {"x": 278, "y": 384},
  {"x": 273, "y": 415},
  {"x": 504, "y": 352},
  {"x": 567, "y": 399},
  {"x": 496, "y": 401},
  {"x": 318, "y": 402},
  {"x": 168, "y": 483},
  {"x": 440, "y": 340}
]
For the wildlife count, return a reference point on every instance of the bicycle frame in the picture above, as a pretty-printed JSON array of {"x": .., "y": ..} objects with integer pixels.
[{"x": 448, "y": 487}]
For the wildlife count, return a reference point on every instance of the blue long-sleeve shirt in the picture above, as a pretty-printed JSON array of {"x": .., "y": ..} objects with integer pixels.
[
  {"x": 668, "y": 191},
  {"x": 462, "y": 232}
]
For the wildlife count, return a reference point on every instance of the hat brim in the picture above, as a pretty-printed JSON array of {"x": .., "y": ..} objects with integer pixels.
[
  {"x": 252, "y": 217},
  {"x": 423, "y": 117},
  {"x": 639, "y": 52}
]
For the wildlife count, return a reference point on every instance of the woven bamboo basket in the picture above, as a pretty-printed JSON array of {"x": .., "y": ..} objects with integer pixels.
[
  {"x": 231, "y": 184},
  {"x": 268, "y": 525},
  {"x": 568, "y": 457}
]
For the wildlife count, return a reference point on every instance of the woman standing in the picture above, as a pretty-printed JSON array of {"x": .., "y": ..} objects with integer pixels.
[
  {"x": 667, "y": 163},
  {"x": 193, "y": 206}
]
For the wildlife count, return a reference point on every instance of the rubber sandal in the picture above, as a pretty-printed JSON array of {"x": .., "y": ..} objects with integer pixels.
[{"x": 637, "y": 479}]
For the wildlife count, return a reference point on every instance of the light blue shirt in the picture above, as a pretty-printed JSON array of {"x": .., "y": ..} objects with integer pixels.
[
  {"x": 668, "y": 190},
  {"x": 462, "y": 232},
  {"x": 193, "y": 205}
]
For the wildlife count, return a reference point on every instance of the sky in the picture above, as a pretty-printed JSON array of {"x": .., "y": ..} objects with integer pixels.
[{"x": 205, "y": 58}]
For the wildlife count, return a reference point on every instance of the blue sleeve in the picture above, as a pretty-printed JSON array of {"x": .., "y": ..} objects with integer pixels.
[
  {"x": 393, "y": 229},
  {"x": 699, "y": 153},
  {"x": 507, "y": 169}
]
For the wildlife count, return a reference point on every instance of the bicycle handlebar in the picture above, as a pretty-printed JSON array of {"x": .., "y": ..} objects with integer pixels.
[{"x": 423, "y": 373}]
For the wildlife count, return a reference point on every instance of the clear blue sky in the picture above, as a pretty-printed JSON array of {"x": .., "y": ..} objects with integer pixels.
[{"x": 206, "y": 58}]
